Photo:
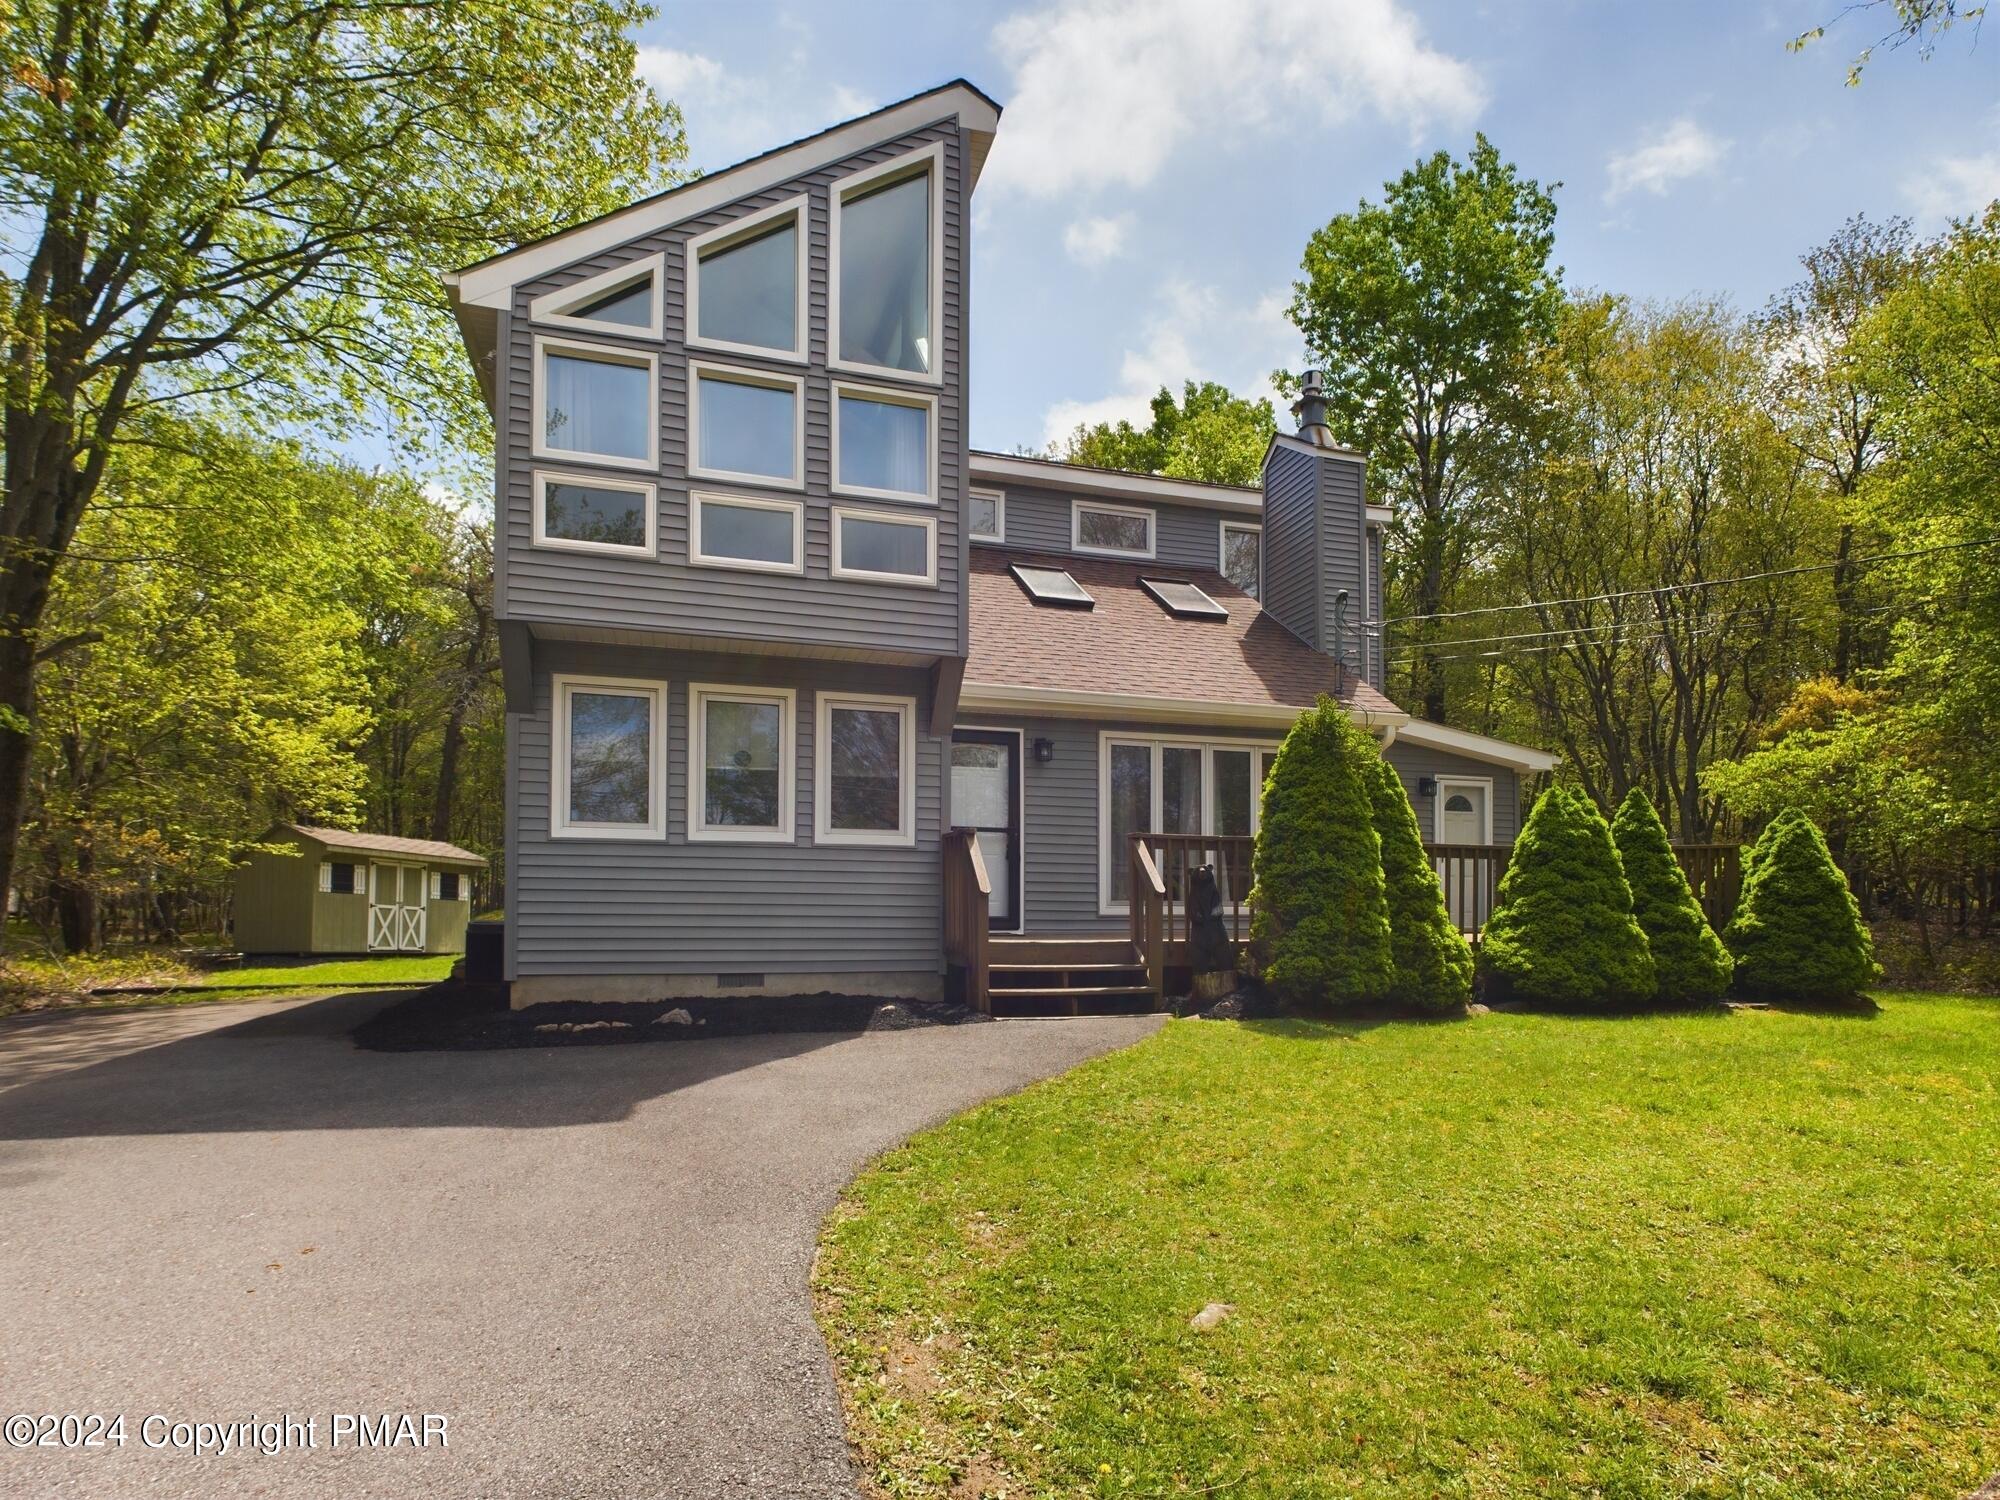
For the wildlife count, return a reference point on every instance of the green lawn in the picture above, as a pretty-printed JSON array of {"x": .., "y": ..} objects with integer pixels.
[
  {"x": 1754, "y": 1254},
  {"x": 32, "y": 979}
]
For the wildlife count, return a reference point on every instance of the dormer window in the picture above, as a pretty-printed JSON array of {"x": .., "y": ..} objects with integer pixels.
[
  {"x": 1112, "y": 530},
  {"x": 746, "y": 284},
  {"x": 596, "y": 402},
  {"x": 746, "y": 424},
  {"x": 1242, "y": 555},
  {"x": 623, "y": 300},
  {"x": 887, "y": 266}
]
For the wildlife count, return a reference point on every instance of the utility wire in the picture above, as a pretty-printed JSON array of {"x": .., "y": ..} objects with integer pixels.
[{"x": 1641, "y": 636}]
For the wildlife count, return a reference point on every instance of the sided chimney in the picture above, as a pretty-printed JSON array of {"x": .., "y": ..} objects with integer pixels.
[{"x": 1309, "y": 411}]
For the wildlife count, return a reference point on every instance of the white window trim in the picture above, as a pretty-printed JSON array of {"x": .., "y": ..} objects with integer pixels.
[
  {"x": 1107, "y": 738},
  {"x": 930, "y": 160},
  {"x": 611, "y": 354},
  {"x": 701, "y": 559},
  {"x": 1020, "y": 812},
  {"x": 542, "y": 478},
  {"x": 547, "y": 309},
  {"x": 699, "y": 695},
  {"x": 326, "y": 877},
  {"x": 655, "y": 692},
  {"x": 999, "y": 499},
  {"x": 773, "y": 380},
  {"x": 1437, "y": 803},
  {"x": 905, "y": 834},
  {"x": 1078, "y": 506},
  {"x": 751, "y": 227},
  {"x": 886, "y": 397},
  {"x": 891, "y": 518},
  {"x": 1222, "y": 549}
]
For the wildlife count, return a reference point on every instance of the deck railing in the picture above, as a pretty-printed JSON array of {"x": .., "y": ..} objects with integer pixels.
[
  {"x": 1716, "y": 873},
  {"x": 1149, "y": 915},
  {"x": 968, "y": 898}
]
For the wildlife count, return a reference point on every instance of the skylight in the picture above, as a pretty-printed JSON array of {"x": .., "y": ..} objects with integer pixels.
[
  {"x": 1183, "y": 600},
  {"x": 1052, "y": 586}
]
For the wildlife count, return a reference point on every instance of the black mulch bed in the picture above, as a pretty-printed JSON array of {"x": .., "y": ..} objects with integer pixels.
[{"x": 456, "y": 1017}]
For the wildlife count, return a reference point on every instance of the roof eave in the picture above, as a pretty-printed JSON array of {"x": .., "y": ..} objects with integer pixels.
[
  {"x": 1524, "y": 758},
  {"x": 1137, "y": 708}
]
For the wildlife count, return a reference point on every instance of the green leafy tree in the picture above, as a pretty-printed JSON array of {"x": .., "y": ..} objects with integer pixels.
[
  {"x": 1798, "y": 933},
  {"x": 1912, "y": 23},
  {"x": 1321, "y": 909},
  {"x": 1563, "y": 932},
  {"x": 1209, "y": 434},
  {"x": 1421, "y": 311},
  {"x": 1690, "y": 965},
  {"x": 1433, "y": 960},
  {"x": 216, "y": 198}
]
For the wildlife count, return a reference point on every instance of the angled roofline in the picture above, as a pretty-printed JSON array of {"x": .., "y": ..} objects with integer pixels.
[
  {"x": 1054, "y": 473},
  {"x": 489, "y": 283},
  {"x": 1477, "y": 746},
  {"x": 1299, "y": 445}
]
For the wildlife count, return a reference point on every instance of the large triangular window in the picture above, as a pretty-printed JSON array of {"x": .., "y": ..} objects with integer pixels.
[{"x": 625, "y": 299}]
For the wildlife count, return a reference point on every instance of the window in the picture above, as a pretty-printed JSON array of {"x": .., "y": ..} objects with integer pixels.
[
  {"x": 597, "y": 402},
  {"x": 744, "y": 424},
  {"x": 888, "y": 549},
  {"x": 1052, "y": 586},
  {"x": 337, "y": 876},
  {"x": 887, "y": 266},
  {"x": 1242, "y": 556},
  {"x": 445, "y": 885},
  {"x": 608, "y": 766},
  {"x": 745, "y": 284},
  {"x": 865, "y": 777},
  {"x": 884, "y": 444},
  {"x": 1176, "y": 786},
  {"x": 593, "y": 515},
  {"x": 740, "y": 764},
  {"x": 1183, "y": 600},
  {"x": 986, "y": 515},
  {"x": 1116, "y": 530},
  {"x": 625, "y": 299},
  {"x": 736, "y": 531}
]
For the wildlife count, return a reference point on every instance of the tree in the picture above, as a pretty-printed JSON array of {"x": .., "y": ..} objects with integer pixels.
[
  {"x": 1563, "y": 932},
  {"x": 1321, "y": 910},
  {"x": 1918, "y": 23},
  {"x": 1798, "y": 933},
  {"x": 1421, "y": 310},
  {"x": 1690, "y": 965},
  {"x": 1433, "y": 961},
  {"x": 1209, "y": 434},
  {"x": 227, "y": 199}
]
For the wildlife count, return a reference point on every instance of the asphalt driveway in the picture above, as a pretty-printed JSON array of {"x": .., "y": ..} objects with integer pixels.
[{"x": 592, "y": 1262}]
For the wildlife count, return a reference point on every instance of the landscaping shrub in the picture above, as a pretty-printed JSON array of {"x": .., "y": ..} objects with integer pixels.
[
  {"x": 1798, "y": 933},
  {"x": 1690, "y": 964},
  {"x": 1564, "y": 933},
  {"x": 1433, "y": 961},
  {"x": 1321, "y": 920}
]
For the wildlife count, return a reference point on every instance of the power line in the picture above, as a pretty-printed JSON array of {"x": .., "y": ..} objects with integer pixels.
[
  {"x": 1678, "y": 588},
  {"x": 1640, "y": 633}
]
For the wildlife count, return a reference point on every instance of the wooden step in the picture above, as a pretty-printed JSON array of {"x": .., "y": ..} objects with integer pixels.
[
  {"x": 1123, "y": 967},
  {"x": 1055, "y": 953},
  {"x": 1074, "y": 991}
]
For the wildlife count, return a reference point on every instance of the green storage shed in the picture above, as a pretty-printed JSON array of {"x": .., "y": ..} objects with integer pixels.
[{"x": 326, "y": 890}]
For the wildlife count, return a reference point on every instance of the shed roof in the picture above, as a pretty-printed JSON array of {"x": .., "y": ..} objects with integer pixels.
[{"x": 345, "y": 841}]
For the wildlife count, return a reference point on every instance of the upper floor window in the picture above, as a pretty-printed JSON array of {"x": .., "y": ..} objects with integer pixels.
[
  {"x": 746, "y": 424},
  {"x": 593, "y": 514},
  {"x": 1242, "y": 555},
  {"x": 596, "y": 402},
  {"x": 1115, "y": 530},
  {"x": 884, "y": 548},
  {"x": 887, "y": 266},
  {"x": 986, "y": 515},
  {"x": 884, "y": 443},
  {"x": 746, "y": 284},
  {"x": 625, "y": 299}
]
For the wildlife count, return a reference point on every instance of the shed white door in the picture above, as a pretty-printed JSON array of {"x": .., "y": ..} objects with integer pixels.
[{"x": 395, "y": 908}]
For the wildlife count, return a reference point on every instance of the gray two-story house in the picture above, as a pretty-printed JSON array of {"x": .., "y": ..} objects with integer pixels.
[{"x": 784, "y": 658}]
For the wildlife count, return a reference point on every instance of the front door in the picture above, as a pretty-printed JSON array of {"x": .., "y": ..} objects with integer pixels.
[
  {"x": 396, "y": 908},
  {"x": 1464, "y": 816},
  {"x": 986, "y": 797}
]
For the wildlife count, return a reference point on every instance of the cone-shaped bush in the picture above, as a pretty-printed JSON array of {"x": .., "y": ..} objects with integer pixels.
[
  {"x": 1563, "y": 932},
  {"x": 1798, "y": 933},
  {"x": 1433, "y": 960},
  {"x": 1321, "y": 918},
  {"x": 1690, "y": 965}
]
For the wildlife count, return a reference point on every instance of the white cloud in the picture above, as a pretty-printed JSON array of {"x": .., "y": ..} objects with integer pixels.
[
  {"x": 732, "y": 115},
  {"x": 1956, "y": 186},
  {"x": 1195, "y": 333},
  {"x": 675, "y": 73},
  {"x": 1095, "y": 240},
  {"x": 1111, "y": 91},
  {"x": 1680, "y": 151}
]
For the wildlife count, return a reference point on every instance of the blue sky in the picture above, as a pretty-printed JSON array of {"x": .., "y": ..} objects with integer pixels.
[{"x": 1161, "y": 162}]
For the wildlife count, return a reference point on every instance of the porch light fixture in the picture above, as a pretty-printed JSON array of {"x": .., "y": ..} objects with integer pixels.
[
  {"x": 1427, "y": 786},
  {"x": 1045, "y": 751}
]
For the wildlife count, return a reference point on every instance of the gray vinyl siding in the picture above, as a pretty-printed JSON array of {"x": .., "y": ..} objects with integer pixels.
[
  {"x": 666, "y": 594},
  {"x": 1291, "y": 543},
  {"x": 1184, "y": 536},
  {"x": 610, "y": 906},
  {"x": 1414, "y": 761},
  {"x": 1343, "y": 539},
  {"x": 1378, "y": 607}
]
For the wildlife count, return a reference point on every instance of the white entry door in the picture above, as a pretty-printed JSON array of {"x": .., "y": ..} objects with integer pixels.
[
  {"x": 1465, "y": 816},
  {"x": 396, "y": 908},
  {"x": 985, "y": 797}
]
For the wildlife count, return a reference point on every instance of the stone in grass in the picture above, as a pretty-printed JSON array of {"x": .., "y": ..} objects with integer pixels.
[
  {"x": 678, "y": 1016},
  {"x": 1211, "y": 1316}
]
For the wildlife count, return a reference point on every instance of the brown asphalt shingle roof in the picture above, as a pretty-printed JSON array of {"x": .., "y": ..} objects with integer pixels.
[
  {"x": 384, "y": 843},
  {"x": 1128, "y": 644}
]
